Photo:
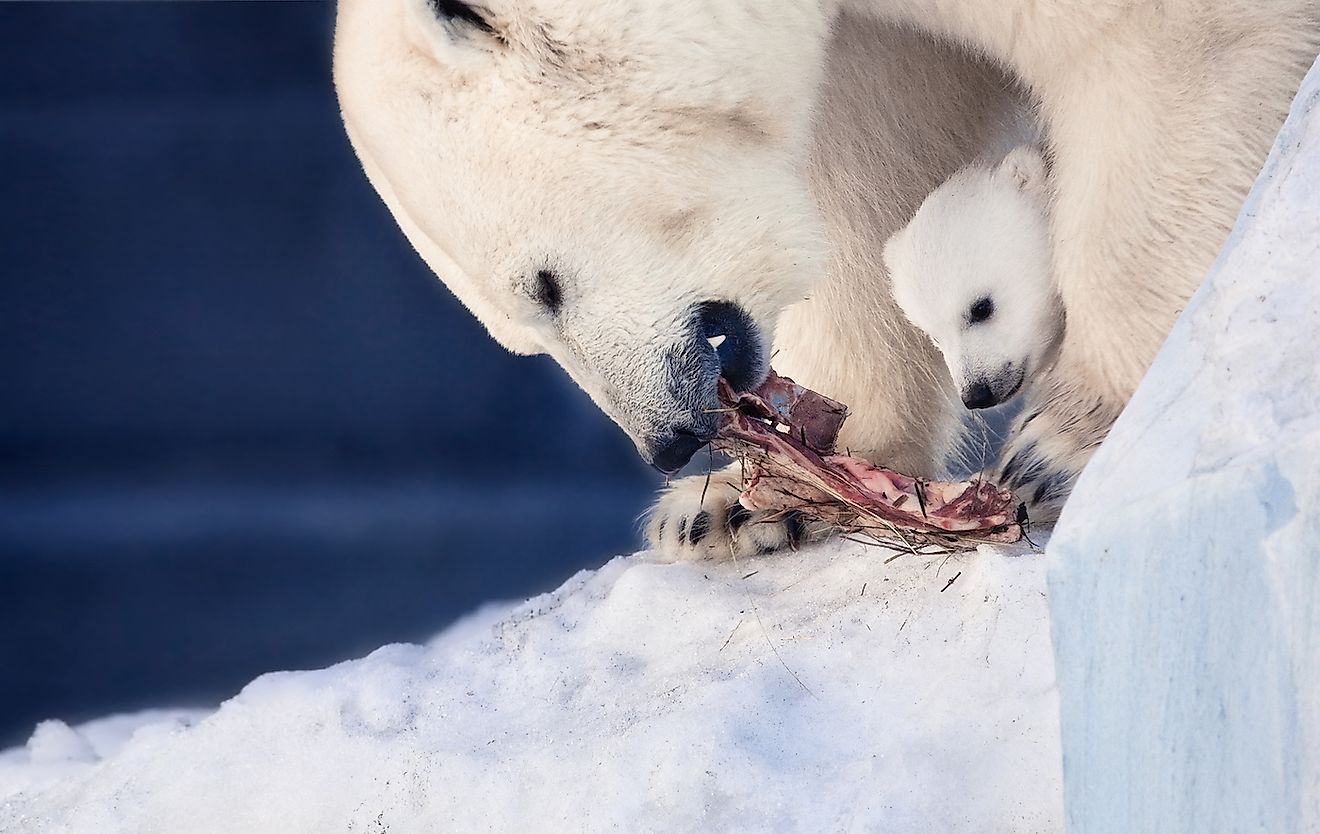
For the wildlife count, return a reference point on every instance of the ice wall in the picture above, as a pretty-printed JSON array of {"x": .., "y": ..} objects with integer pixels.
[{"x": 1184, "y": 581}]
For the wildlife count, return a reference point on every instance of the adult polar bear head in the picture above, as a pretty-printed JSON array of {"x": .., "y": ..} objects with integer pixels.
[{"x": 618, "y": 184}]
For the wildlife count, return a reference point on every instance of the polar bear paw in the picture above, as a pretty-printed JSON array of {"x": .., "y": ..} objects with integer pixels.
[{"x": 699, "y": 517}]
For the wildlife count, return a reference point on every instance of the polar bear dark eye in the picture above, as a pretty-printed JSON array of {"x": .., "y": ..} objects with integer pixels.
[
  {"x": 546, "y": 291},
  {"x": 451, "y": 11},
  {"x": 983, "y": 309}
]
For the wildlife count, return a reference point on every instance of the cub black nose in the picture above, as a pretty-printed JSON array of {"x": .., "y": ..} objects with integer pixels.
[
  {"x": 737, "y": 342},
  {"x": 672, "y": 453},
  {"x": 979, "y": 395}
]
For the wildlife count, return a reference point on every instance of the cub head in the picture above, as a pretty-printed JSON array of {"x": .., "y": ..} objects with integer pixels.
[
  {"x": 618, "y": 184},
  {"x": 973, "y": 270}
]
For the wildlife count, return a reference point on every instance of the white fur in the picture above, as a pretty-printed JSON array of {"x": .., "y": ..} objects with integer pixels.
[
  {"x": 659, "y": 154},
  {"x": 629, "y": 146},
  {"x": 980, "y": 245}
]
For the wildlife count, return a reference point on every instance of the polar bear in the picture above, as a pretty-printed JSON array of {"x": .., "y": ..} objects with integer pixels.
[
  {"x": 617, "y": 183},
  {"x": 973, "y": 271}
]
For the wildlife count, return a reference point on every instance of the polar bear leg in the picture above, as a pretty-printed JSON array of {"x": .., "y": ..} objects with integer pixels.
[{"x": 1057, "y": 431}]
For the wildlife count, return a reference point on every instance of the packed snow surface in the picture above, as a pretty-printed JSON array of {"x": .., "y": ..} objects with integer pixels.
[
  {"x": 818, "y": 691},
  {"x": 1185, "y": 572}
]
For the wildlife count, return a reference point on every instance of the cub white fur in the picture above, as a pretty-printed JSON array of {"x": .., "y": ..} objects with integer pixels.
[
  {"x": 589, "y": 178},
  {"x": 974, "y": 271}
]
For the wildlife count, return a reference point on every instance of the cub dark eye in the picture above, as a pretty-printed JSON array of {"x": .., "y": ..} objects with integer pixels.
[
  {"x": 546, "y": 291},
  {"x": 451, "y": 11},
  {"x": 983, "y": 309}
]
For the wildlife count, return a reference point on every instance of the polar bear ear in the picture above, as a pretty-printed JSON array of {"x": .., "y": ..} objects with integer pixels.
[
  {"x": 1025, "y": 167},
  {"x": 456, "y": 33}
]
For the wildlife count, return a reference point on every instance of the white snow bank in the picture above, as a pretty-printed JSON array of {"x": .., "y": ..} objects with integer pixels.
[
  {"x": 824, "y": 691},
  {"x": 56, "y": 749},
  {"x": 1185, "y": 572}
]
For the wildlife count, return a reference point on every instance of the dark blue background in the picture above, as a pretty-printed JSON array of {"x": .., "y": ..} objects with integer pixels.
[{"x": 242, "y": 427}]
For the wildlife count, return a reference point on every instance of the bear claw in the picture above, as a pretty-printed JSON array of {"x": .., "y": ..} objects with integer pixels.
[{"x": 717, "y": 527}]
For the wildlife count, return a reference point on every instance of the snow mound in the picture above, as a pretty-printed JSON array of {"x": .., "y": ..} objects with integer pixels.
[
  {"x": 56, "y": 749},
  {"x": 1184, "y": 574},
  {"x": 821, "y": 691}
]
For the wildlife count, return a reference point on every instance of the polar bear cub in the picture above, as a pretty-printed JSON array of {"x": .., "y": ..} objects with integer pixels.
[{"x": 973, "y": 270}]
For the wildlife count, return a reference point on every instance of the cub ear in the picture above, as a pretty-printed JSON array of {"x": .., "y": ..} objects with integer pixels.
[
  {"x": 456, "y": 33},
  {"x": 892, "y": 249},
  {"x": 1025, "y": 167}
]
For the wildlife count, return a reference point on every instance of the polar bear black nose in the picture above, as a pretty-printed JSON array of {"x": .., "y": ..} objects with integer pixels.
[
  {"x": 979, "y": 395},
  {"x": 721, "y": 340},
  {"x": 736, "y": 340},
  {"x": 672, "y": 453}
]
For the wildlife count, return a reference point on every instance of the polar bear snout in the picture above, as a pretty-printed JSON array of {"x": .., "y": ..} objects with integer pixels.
[
  {"x": 722, "y": 340},
  {"x": 673, "y": 452},
  {"x": 990, "y": 391},
  {"x": 737, "y": 341}
]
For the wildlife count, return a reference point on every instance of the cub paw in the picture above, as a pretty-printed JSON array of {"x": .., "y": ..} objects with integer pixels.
[{"x": 1051, "y": 443}]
